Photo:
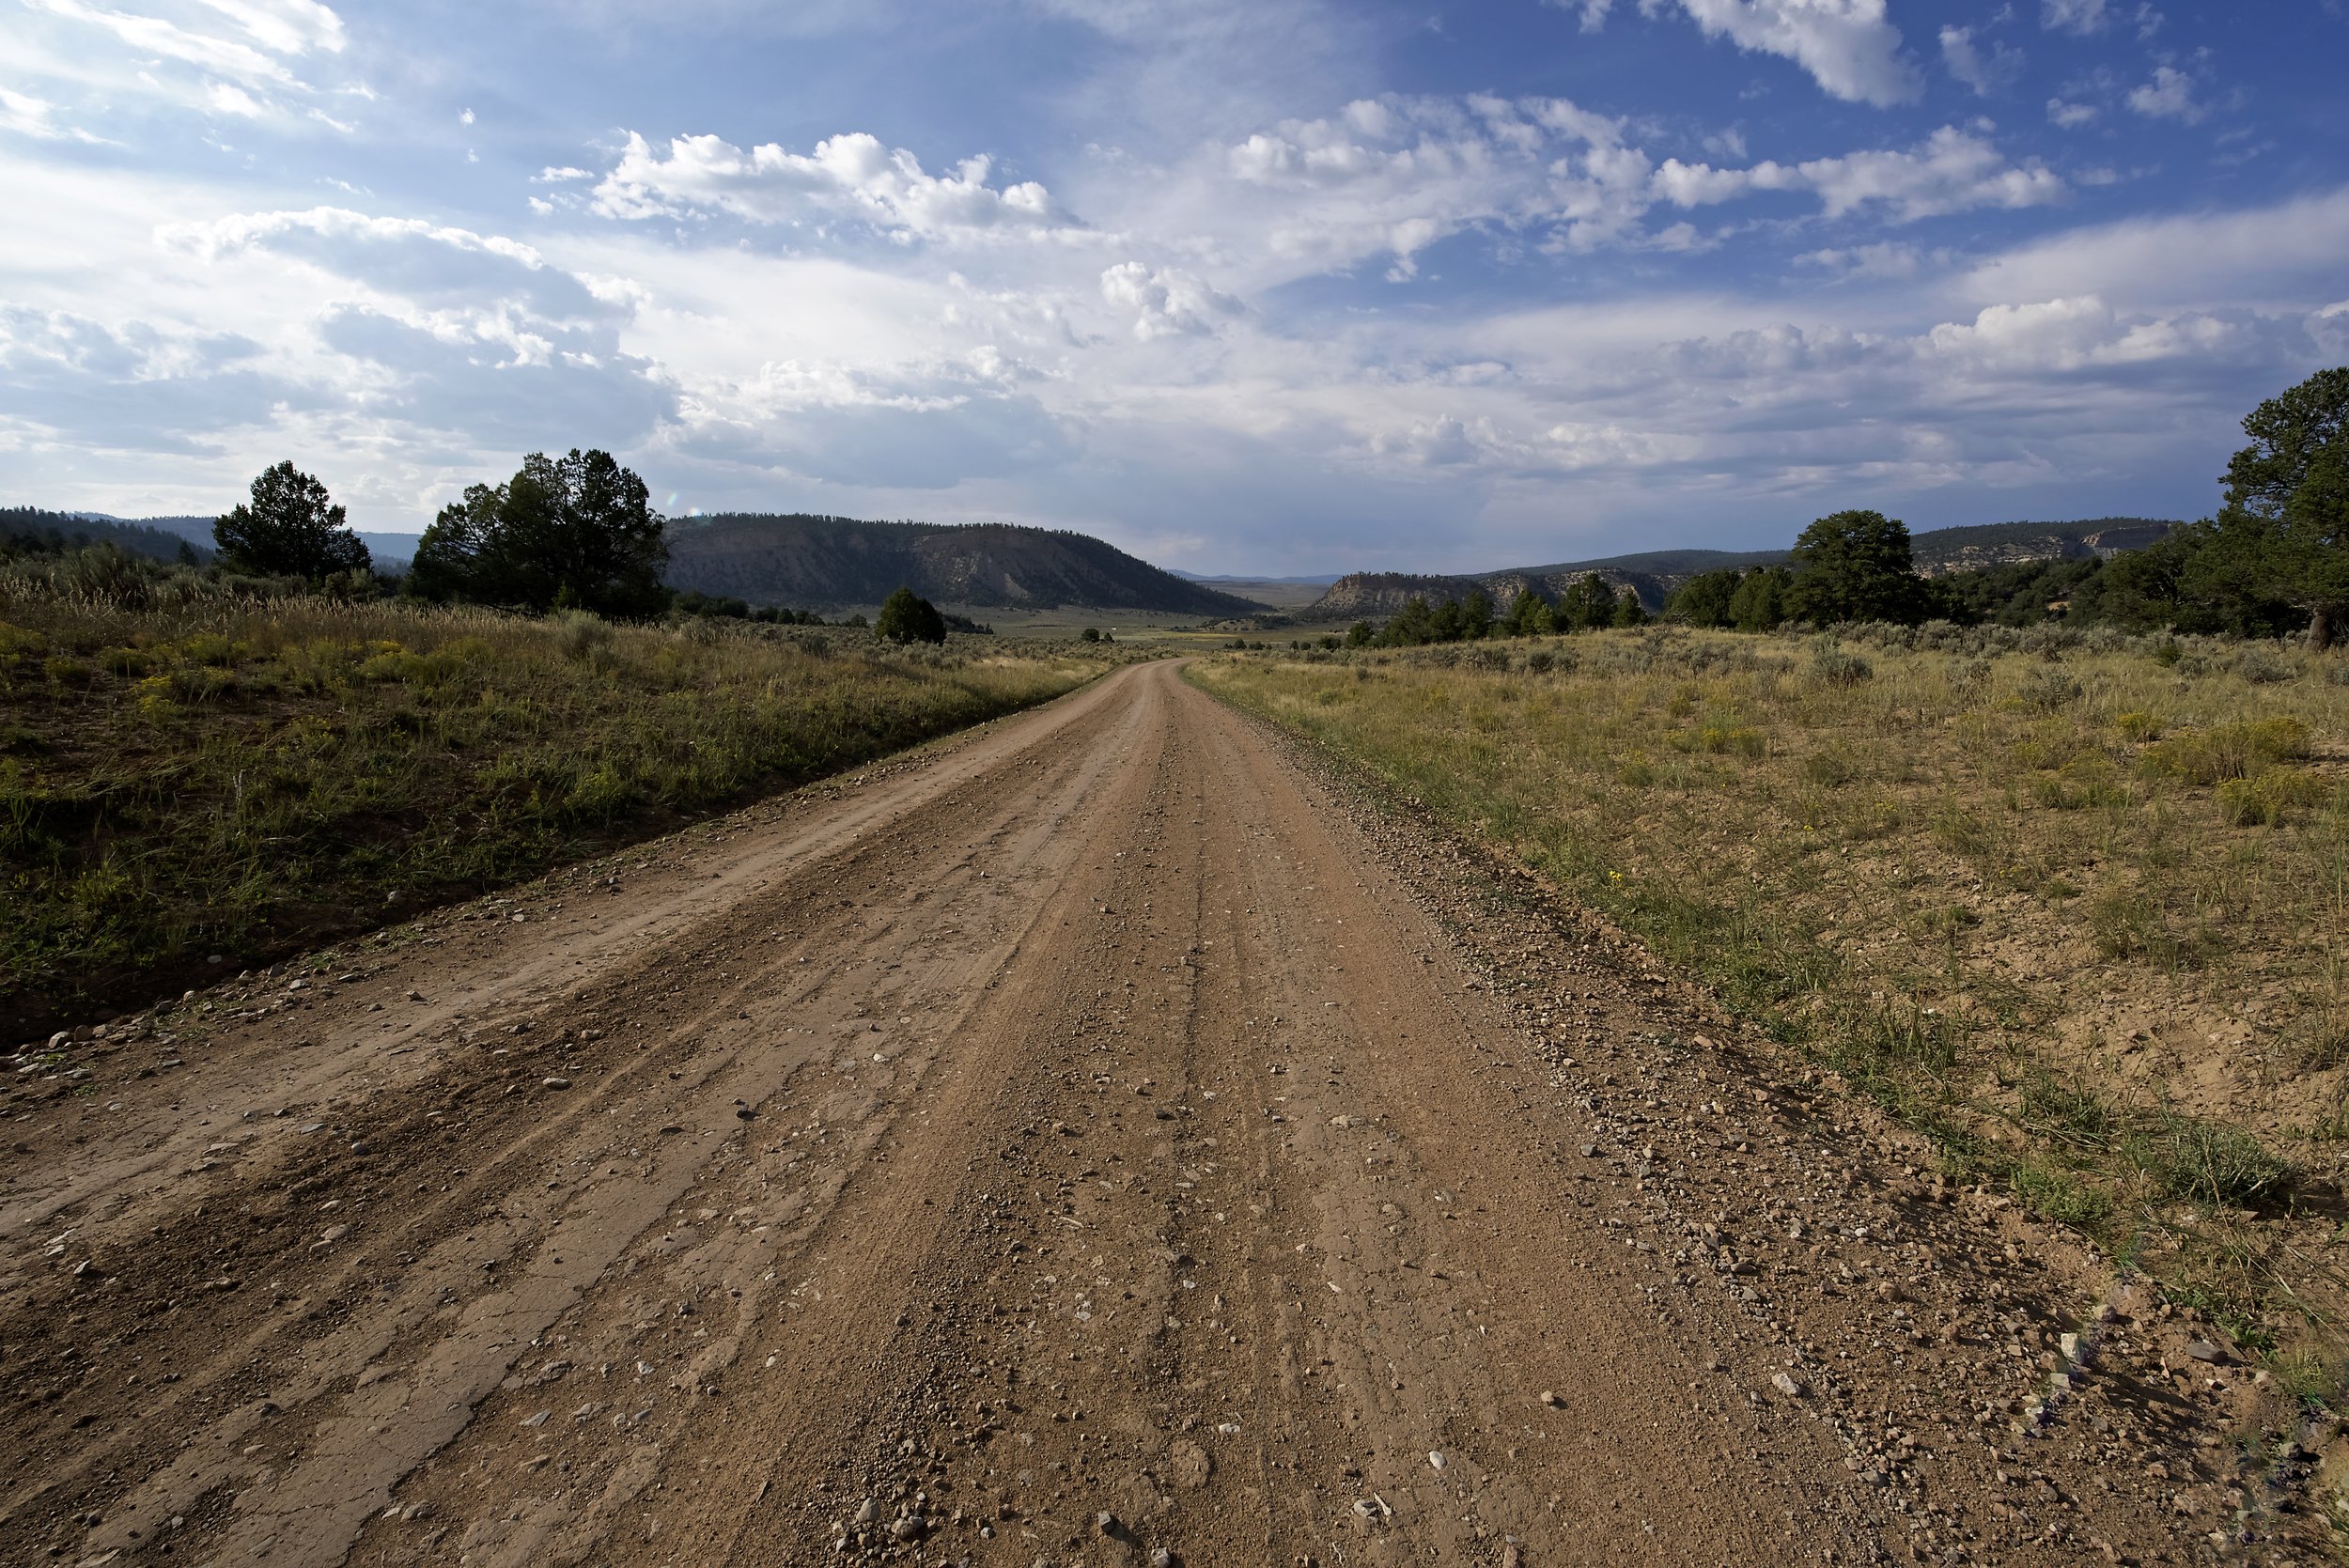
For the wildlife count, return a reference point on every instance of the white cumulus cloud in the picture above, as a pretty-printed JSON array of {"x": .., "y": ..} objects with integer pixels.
[
  {"x": 1952, "y": 171},
  {"x": 851, "y": 175},
  {"x": 1887, "y": 259},
  {"x": 1984, "y": 69},
  {"x": 2073, "y": 16},
  {"x": 1166, "y": 302},
  {"x": 2169, "y": 96},
  {"x": 1594, "y": 12},
  {"x": 1848, "y": 46},
  {"x": 2077, "y": 334}
]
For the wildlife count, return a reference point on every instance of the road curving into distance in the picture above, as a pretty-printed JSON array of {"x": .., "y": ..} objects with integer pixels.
[{"x": 1096, "y": 1138}]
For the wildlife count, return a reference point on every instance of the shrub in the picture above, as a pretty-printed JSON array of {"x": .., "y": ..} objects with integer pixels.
[
  {"x": 2079, "y": 1119},
  {"x": 207, "y": 647},
  {"x": 1834, "y": 666},
  {"x": 2140, "y": 727},
  {"x": 2049, "y": 690},
  {"x": 2210, "y": 1162},
  {"x": 579, "y": 632},
  {"x": 2230, "y": 750},
  {"x": 2261, "y": 668},
  {"x": 2063, "y": 1198},
  {"x": 2265, "y": 798},
  {"x": 1738, "y": 740},
  {"x": 1829, "y": 768}
]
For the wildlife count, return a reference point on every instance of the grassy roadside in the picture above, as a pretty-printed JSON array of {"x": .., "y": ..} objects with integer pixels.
[
  {"x": 2077, "y": 906},
  {"x": 217, "y": 775}
]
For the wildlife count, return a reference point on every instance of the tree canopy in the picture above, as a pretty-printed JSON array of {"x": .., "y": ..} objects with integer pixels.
[
  {"x": 2283, "y": 532},
  {"x": 290, "y": 528},
  {"x": 1703, "y": 599},
  {"x": 907, "y": 617},
  {"x": 1856, "y": 566},
  {"x": 572, "y": 532}
]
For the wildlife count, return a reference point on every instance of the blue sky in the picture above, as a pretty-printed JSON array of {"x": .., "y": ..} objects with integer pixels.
[{"x": 1280, "y": 286}]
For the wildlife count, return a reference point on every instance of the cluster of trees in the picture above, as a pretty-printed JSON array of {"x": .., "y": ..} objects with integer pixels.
[
  {"x": 29, "y": 533},
  {"x": 2275, "y": 560},
  {"x": 1587, "y": 603},
  {"x": 724, "y": 607},
  {"x": 1852, "y": 565},
  {"x": 575, "y": 532}
]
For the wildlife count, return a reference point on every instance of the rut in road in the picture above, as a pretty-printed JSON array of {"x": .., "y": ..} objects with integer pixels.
[{"x": 1079, "y": 1142}]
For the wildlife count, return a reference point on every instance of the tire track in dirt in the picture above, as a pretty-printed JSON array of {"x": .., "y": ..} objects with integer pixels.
[{"x": 1082, "y": 1141}]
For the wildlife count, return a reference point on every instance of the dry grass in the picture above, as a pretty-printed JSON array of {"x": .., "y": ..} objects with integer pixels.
[
  {"x": 212, "y": 774},
  {"x": 1981, "y": 874}
]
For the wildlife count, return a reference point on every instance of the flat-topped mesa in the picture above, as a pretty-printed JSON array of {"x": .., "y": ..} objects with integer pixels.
[{"x": 1371, "y": 596}]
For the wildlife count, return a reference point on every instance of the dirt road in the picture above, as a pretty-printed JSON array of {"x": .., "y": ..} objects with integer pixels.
[{"x": 1095, "y": 1138}]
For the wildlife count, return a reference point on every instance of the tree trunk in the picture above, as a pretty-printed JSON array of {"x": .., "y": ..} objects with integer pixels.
[{"x": 2321, "y": 628}]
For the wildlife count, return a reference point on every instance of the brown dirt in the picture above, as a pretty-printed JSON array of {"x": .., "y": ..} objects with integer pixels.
[{"x": 1096, "y": 1135}]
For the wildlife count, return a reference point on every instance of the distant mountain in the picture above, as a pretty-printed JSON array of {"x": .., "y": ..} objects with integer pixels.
[
  {"x": 1321, "y": 582},
  {"x": 1663, "y": 563},
  {"x": 90, "y": 528},
  {"x": 392, "y": 552},
  {"x": 1654, "y": 574},
  {"x": 194, "y": 530},
  {"x": 817, "y": 563}
]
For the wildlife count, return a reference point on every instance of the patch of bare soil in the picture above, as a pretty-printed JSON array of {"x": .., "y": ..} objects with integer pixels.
[{"x": 1099, "y": 1138}]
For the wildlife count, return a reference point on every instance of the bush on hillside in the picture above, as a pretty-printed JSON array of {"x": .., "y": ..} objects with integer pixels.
[{"x": 907, "y": 617}]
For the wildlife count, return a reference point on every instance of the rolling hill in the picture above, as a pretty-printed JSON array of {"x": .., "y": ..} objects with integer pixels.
[
  {"x": 74, "y": 529},
  {"x": 817, "y": 562},
  {"x": 1654, "y": 574}
]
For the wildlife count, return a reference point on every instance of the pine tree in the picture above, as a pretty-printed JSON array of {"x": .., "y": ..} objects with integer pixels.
[{"x": 290, "y": 528}]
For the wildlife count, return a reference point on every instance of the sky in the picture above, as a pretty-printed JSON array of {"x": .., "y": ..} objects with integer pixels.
[{"x": 1243, "y": 285}]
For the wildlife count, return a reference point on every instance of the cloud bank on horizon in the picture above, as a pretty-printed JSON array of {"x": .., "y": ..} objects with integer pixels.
[{"x": 1244, "y": 285}]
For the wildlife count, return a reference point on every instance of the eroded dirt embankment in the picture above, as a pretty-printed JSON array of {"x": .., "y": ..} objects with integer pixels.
[{"x": 1095, "y": 1138}]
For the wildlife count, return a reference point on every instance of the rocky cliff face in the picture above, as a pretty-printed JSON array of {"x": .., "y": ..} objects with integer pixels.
[
  {"x": 1374, "y": 595},
  {"x": 1956, "y": 550}
]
